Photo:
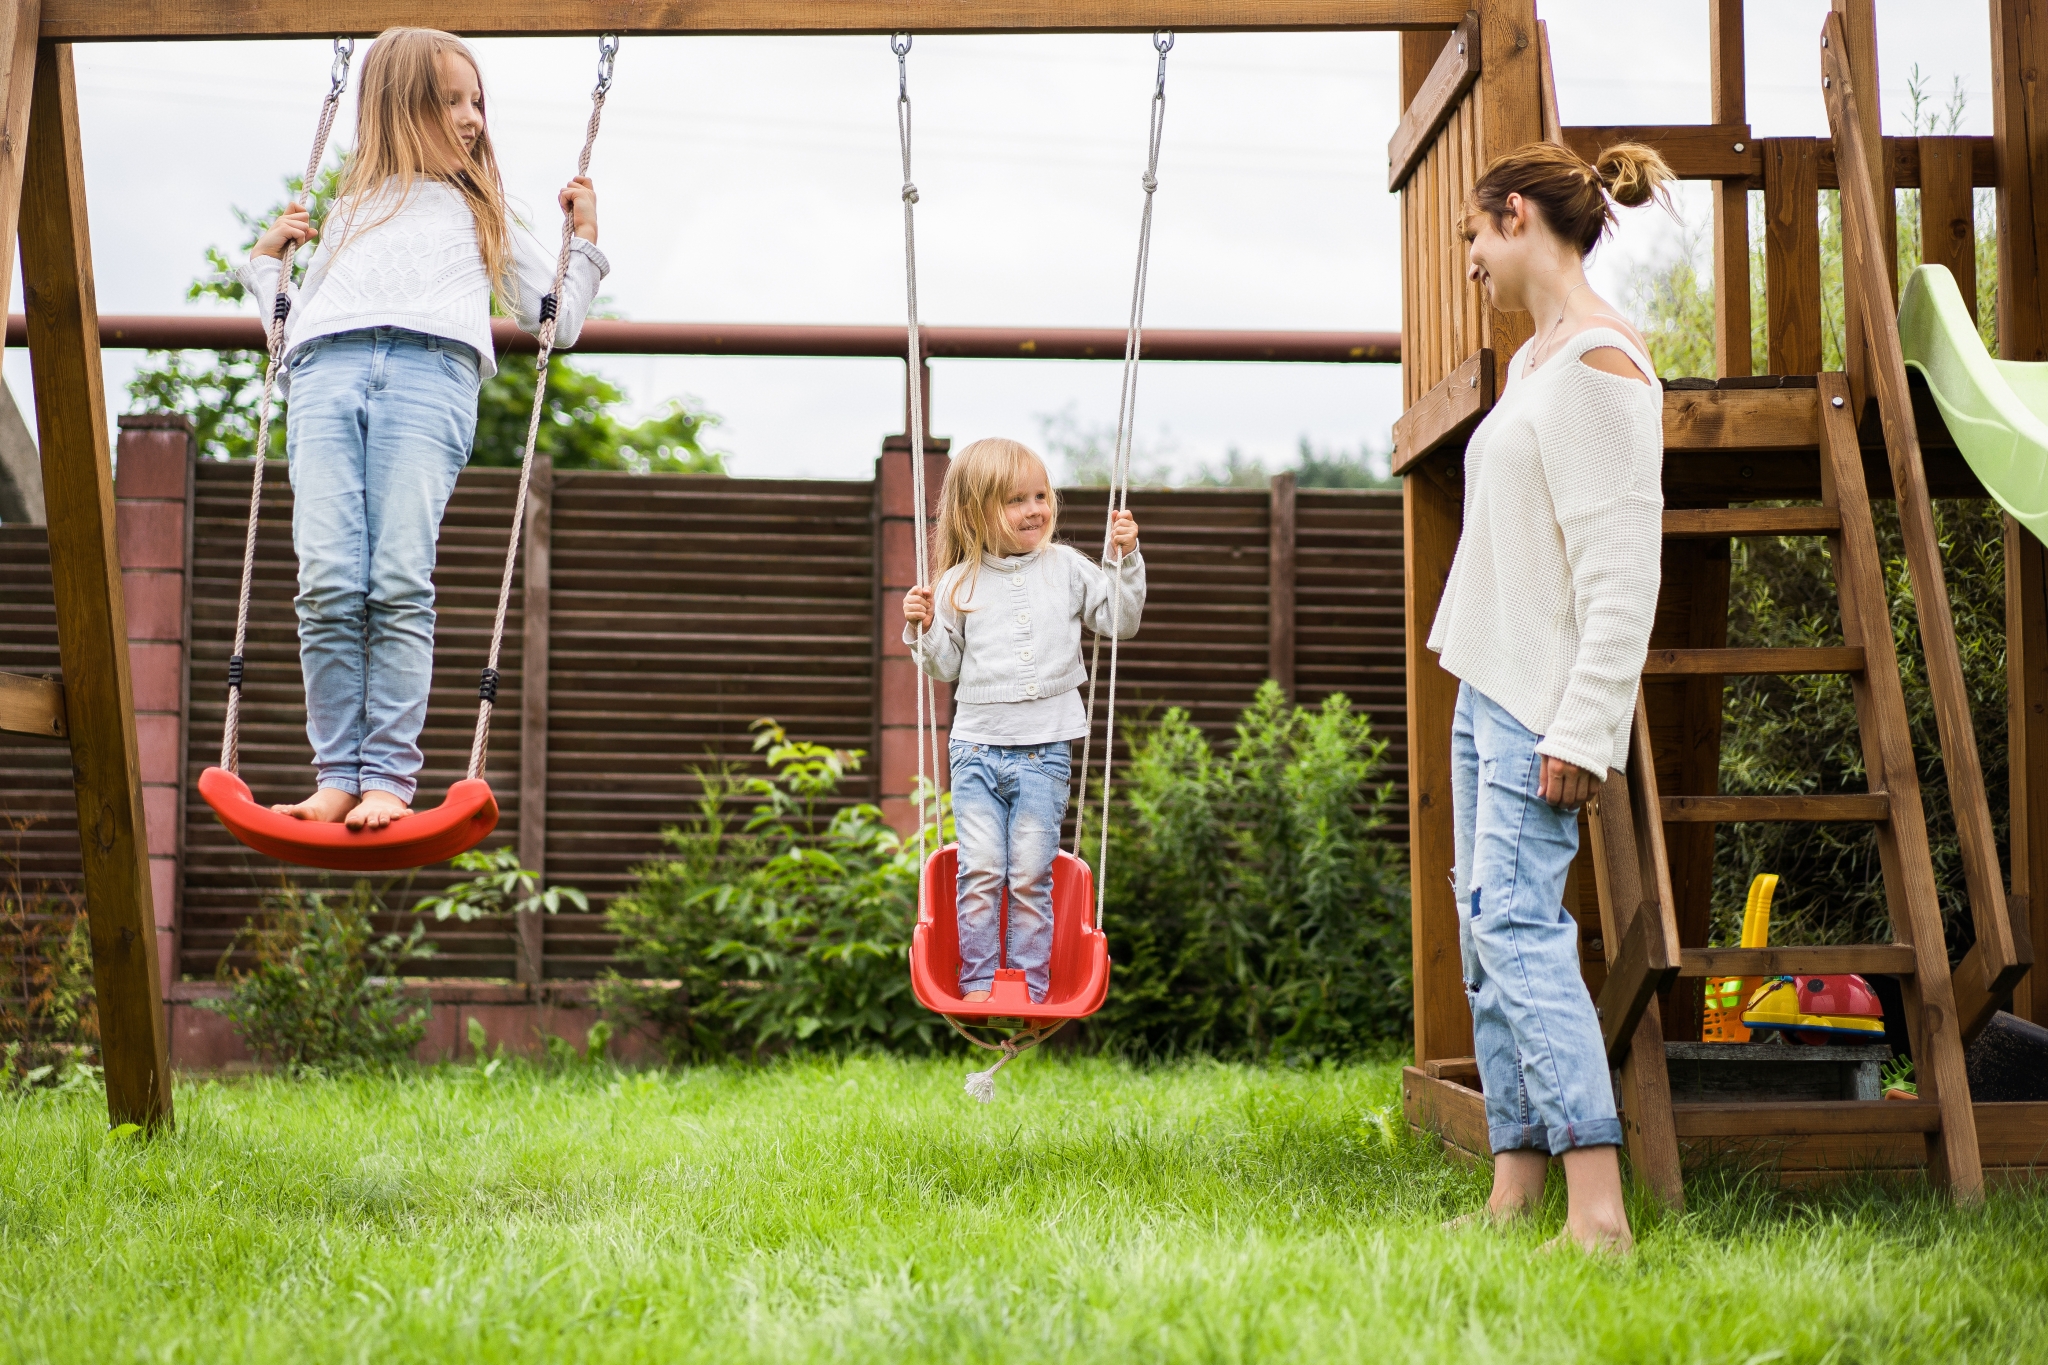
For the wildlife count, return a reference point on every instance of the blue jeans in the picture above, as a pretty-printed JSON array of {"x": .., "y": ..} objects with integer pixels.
[
  {"x": 381, "y": 422},
  {"x": 1007, "y": 806},
  {"x": 1541, "y": 1059}
]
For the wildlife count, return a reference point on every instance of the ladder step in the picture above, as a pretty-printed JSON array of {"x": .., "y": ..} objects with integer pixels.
[
  {"x": 1847, "y": 808},
  {"x": 1749, "y": 663},
  {"x": 1805, "y": 1118},
  {"x": 1719, "y": 523},
  {"x": 1896, "y": 959}
]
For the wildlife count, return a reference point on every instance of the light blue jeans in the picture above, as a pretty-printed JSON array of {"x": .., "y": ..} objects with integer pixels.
[
  {"x": 381, "y": 422},
  {"x": 1541, "y": 1059},
  {"x": 1008, "y": 803}
]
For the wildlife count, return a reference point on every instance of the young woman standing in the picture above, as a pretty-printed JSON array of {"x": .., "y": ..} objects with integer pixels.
[{"x": 1545, "y": 621}]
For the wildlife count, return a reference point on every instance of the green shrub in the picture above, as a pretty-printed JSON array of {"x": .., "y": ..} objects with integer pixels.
[
  {"x": 324, "y": 993},
  {"x": 49, "y": 1024},
  {"x": 779, "y": 935},
  {"x": 1252, "y": 911}
]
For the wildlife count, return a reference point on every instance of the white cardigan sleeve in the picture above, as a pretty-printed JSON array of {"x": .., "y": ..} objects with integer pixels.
[{"x": 534, "y": 265}]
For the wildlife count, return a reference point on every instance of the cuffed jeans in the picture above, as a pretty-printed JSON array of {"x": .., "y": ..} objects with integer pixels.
[
  {"x": 1541, "y": 1059},
  {"x": 1008, "y": 803},
  {"x": 381, "y": 422}
]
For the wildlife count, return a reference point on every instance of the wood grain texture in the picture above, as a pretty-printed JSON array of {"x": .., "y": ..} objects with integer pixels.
[
  {"x": 2019, "y": 112},
  {"x": 1715, "y": 523},
  {"x": 32, "y": 706},
  {"x": 1648, "y": 1133},
  {"x": 1750, "y": 663},
  {"x": 1725, "y": 420},
  {"x": 1847, "y": 808},
  {"x": 1446, "y": 413},
  {"x": 1893, "y": 958},
  {"x": 1453, "y": 75},
  {"x": 1553, "y": 123},
  {"x": 1797, "y": 1118},
  {"x": 535, "y": 606},
  {"x": 2026, "y": 676},
  {"x": 1694, "y": 151},
  {"x": 1440, "y": 1105},
  {"x": 1280, "y": 571},
  {"x": 131, "y": 20},
  {"x": 1419, "y": 52},
  {"x": 85, "y": 567},
  {"x": 1509, "y": 111},
  {"x": 1948, "y": 215},
  {"x": 18, "y": 24},
  {"x": 1728, "y": 104},
  {"x": 1792, "y": 318}
]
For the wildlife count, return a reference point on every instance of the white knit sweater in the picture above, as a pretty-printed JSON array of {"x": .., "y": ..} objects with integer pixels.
[
  {"x": 422, "y": 270},
  {"x": 1553, "y": 589}
]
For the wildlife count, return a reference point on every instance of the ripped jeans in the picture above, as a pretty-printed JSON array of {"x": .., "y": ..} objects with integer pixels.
[{"x": 1542, "y": 1061}]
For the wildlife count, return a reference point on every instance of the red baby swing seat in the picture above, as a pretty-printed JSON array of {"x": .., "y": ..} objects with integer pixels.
[{"x": 1078, "y": 970}]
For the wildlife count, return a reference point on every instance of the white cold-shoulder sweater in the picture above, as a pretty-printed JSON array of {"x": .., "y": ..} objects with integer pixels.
[
  {"x": 1553, "y": 589},
  {"x": 421, "y": 269}
]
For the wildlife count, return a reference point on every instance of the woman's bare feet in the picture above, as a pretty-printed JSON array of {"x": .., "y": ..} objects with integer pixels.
[
  {"x": 377, "y": 810},
  {"x": 327, "y": 806},
  {"x": 974, "y": 997}
]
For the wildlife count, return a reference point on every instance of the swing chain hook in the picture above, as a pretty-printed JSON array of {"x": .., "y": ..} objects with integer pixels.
[
  {"x": 1162, "y": 42},
  {"x": 899, "y": 43},
  {"x": 607, "y": 53},
  {"x": 337, "y": 75}
]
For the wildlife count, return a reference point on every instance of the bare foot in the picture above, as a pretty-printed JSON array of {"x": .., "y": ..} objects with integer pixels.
[
  {"x": 377, "y": 810},
  {"x": 974, "y": 997},
  {"x": 326, "y": 806}
]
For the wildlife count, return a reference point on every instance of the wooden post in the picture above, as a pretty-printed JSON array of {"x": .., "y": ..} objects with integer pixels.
[
  {"x": 1859, "y": 25},
  {"x": 2019, "y": 107},
  {"x": 538, "y": 552},
  {"x": 1509, "y": 100},
  {"x": 1697, "y": 570},
  {"x": 895, "y": 759},
  {"x": 1792, "y": 254},
  {"x": 1948, "y": 212},
  {"x": 1731, "y": 197},
  {"x": 1280, "y": 582},
  {"x": 2026, "y": 662},
  {"x": 85, "y": 569}
]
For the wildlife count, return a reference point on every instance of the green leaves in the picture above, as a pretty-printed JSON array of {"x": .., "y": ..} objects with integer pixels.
[{"x": 501, "y": 887}]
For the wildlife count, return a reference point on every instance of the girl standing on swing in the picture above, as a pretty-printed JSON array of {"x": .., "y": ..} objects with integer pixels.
[
  {"x": 386, "y": 346},
  {"x": 1545, "y": 620}
]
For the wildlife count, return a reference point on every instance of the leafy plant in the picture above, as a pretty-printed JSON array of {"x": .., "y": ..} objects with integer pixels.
[
  {"x": 1252, "y": 910},
  {"x": 49, "y": 1020},
  {"x": 501, "y": 887},
  {"x": 1898, "y": 1075},
  {"x": 324, "y": 993},
  {"x": 788, "y": 932}
]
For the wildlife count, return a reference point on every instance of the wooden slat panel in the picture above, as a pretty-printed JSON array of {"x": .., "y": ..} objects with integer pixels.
[
  {"x": 1456, "y": 68},
  {"x": 1446, "y": 413}
]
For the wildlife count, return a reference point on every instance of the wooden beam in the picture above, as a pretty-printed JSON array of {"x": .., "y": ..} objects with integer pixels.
[
  {"x": 1844, "y": 808},
  {"x": 18, "y": 23},
  {"x": 1714, "y": 523},
  {"x": 1902, "y": 162},
  {"x": 1280, "y": 541},
  {"x": 1553, "y": 123},
  {"x": 1724, "y": 420},
  {"x": 1948, "y": 212},
  {"x": 2026, "y": 679},
  {"x": 1801, "y": 1118},
  {"x": 1895, "y": 959},
  {"x": 145, "y": 20},
  {"x": 1792, "y": 255},
  {"x": 92, "y": 618},
  {"x": 1634, "y": 976},
  {"x": 2019, "y": 112},
  {"x": 1730, "y": 197},
  {"x": 1695, "y": 151},
  {"x": 1446, "y": 413},
  {"x": 1854, "y": 29},
  {"x": 537, "y": 555},
  {"x": 32, "y": 706},
  {"x": 1750, "y": 663},
  {"x": 1419, "y": 51},
  {"x": 1450, "y": 79},
  {"x": 1509, "y": 109}
]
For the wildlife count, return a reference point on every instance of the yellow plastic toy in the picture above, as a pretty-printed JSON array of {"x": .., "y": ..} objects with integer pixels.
[{"x": 1726, "y": 995}]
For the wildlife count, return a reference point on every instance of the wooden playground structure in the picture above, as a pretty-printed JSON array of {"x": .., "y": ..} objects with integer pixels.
[{"x": 1475, "y": 82}]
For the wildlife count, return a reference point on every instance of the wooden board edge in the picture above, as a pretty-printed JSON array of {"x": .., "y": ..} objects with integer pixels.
[
  {"x": 1450, "y": 80},
  {"x": 1446, "y": 413},
  {"x": 32, "y": 706}
]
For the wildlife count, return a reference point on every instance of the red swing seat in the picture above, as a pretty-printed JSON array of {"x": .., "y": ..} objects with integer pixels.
[
  {"x": 1078, "y": 971},
  {"x": 467, "y": 814}
]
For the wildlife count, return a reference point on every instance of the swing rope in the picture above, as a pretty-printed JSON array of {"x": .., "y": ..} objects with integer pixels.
[
  {"x": 280, "y": 309},
  {"x": 487, "y": 684},
  {"x": 1119, "y": 499}
]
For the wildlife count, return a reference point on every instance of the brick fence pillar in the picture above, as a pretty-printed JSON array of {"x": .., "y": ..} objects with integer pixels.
[
  {"x": 896, "y": 570},
  {"x": 153, "y": 519}
]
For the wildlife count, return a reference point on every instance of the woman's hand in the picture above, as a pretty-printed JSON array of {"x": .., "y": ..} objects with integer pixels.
[
  {"x": 1566, "y": 785},
  {"x": 579, "y": 200},
  {"x": 294, "y": 225},
  {"x": 917, "y": 606},
  {"x": 1123, "y": 534}
]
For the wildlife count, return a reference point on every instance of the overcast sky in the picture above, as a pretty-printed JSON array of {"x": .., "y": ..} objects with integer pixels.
[{"x": 755, "y": 180}]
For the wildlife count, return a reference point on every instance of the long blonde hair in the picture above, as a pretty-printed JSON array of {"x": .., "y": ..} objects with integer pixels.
[
  {"x": 979, "y": 481},
  {"x": 401, "y": 112}
]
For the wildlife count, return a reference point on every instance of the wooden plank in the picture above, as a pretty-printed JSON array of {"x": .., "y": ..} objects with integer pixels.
[
  {"x": 1453, "y": 75},
  {"x": 1553, "y": 124},
  {"x": 1887, "y": 958},
  {"x": 1508, "y": 108},
  {"x": 1792, "y": 255},
  {"x": 92, "y": 618},
  {"x": 1280, "y": 541},
  {"x": 1463, "y": 1070},
  {"x": 1740, "y": 419},
  {"x": 1862, "y": 244},
  {"x": 18, "y": 22},
  {"x": 1419, "y": 52},
  {"x": 1854, "y": 38},
  {"x": 536, "y": 607},
  {"x": 145, "y": 20},
  {"x": 1456, "y": 1113},
  {"x": 1750, "y": 663},
  {"x": 1643, "y": 940},
  {"x": 1634, "y": 976},
  {"x": 1948, "y": 214},
  {"x": 1696, "y": 574},
  {"x": 1801, "y": 1118},
  {"x": 1694, "y": 151},
  {"x": 1730, "y": 207},
  {"x": 2026, "y": 677},
  {"x": 1716, "y": 523},
  {"x": 32, "y": 706},
  {"x": 2019, "y": 113},
  {"x": 1846, "y": 808},
  {"x": 1446, "y": 413}
]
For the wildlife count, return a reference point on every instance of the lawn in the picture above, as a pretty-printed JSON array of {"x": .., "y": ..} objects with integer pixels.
[{"x": 866, "y": 1210}]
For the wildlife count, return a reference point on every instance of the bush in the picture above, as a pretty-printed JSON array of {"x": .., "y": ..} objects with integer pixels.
[
  {"x": 324, "y": 993},
  {"x": 1252, "y": 911},
  {"x": 780, "y": 935},
  {"x": 49, "y": 1023}
]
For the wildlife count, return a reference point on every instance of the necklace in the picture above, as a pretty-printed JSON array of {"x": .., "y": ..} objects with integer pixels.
[{"x": 1563, "y": 308}]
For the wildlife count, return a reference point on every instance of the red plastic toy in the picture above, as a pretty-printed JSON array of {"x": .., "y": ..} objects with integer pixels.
[
  {"x": 460, "y": 822},
  {"x": 1079, "y": 970}
]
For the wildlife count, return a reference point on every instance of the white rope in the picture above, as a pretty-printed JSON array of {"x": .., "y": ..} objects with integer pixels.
[
  {"x": 1119, "y": 500},
  {"x": 487, "y": 687},
  {"x": 280, "y": 309}
]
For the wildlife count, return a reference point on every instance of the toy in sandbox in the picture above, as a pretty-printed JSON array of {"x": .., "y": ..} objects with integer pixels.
[{"x": 1813, "y": 1010}]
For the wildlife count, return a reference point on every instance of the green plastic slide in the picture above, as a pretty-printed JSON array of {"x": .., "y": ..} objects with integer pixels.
[{"x": 1997, "y": 410}]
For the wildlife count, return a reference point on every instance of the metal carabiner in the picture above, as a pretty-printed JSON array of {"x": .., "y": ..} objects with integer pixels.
[
  {"x": 607, "y": 52},
  {"x": 899, "y": 43},
  {"x": 337, "y": 75},
  {"x": 1162, "y": 41}
]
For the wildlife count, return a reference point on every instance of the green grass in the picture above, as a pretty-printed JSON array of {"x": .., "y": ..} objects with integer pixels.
[{"x": 867, "y": 1211}]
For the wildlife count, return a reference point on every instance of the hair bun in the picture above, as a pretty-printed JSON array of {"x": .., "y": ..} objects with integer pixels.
[{"x": 1634, "y": 174}]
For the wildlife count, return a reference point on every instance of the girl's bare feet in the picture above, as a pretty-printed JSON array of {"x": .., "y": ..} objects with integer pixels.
[
  {"x": 326, "y": 806},
  {"x": 377, "y": 810},
  {"x": 974, "y": 997}
]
